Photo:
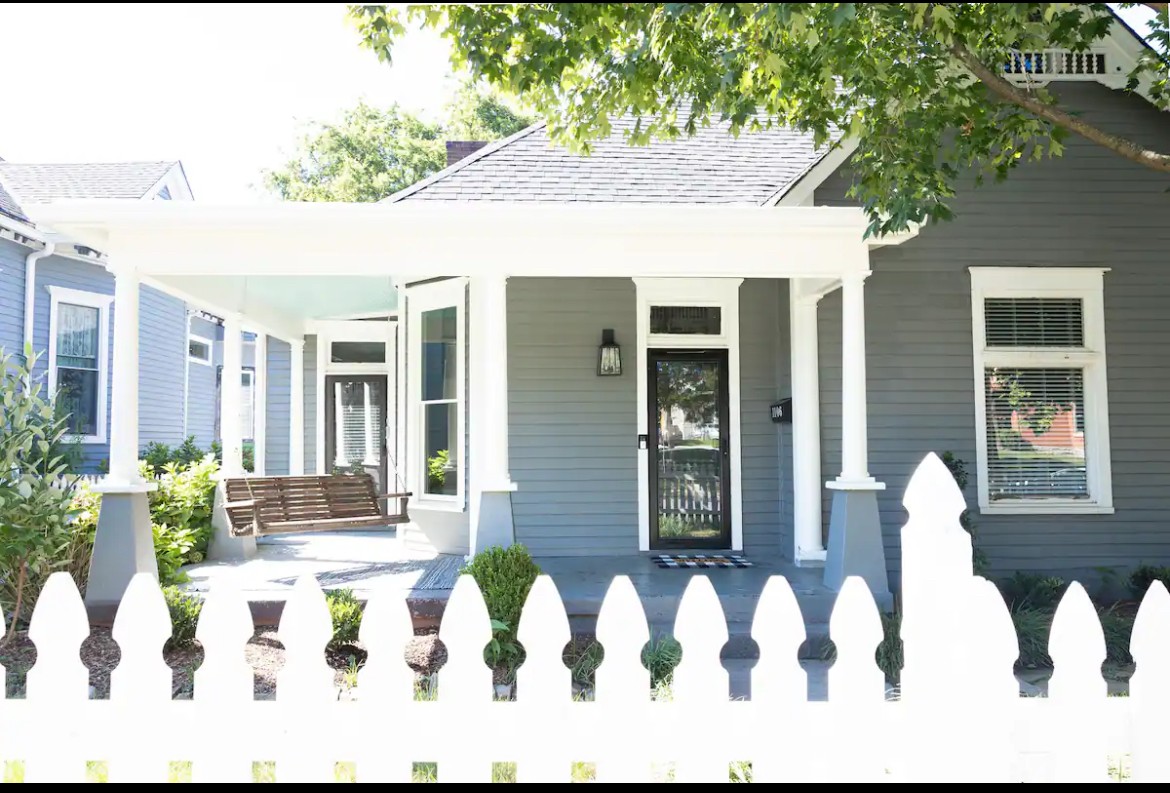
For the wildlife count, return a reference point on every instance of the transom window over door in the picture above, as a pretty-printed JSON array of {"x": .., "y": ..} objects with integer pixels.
[
  {"x": 1041, "y": 398},
  {"x": 78, "y": 359}
]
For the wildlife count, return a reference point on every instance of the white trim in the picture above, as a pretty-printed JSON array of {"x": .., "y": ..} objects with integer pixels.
[
  {"x": 721, "y": 292},
  {"x": 175, "y": 181},
  {"x": 424, "y": 298},
  {"x": 58, "y": 295},
  {"x": 191, "y": 336},
  {"x": 804, "y": 357},
  {"x": 1087, "y": 284},
  {"x": 260, "y": 404},
  {"x": 800, "y": 192},
  {"x": 296, "y": 412},
  {"x": 328, "y": 331}
]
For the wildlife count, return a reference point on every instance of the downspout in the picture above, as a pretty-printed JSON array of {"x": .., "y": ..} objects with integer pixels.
[{"x": 30, "y": 289}]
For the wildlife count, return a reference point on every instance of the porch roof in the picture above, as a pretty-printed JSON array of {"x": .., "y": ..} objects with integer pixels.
[{"x": 219, "y": 252}]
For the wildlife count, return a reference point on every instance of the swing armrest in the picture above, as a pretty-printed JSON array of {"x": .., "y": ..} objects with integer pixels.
[
  {"x": 387, "y": 496},
  {"x": 255, "y": 502}
]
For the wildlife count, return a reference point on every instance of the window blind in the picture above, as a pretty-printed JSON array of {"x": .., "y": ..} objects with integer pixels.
[{"x": 1034, "y": 322}]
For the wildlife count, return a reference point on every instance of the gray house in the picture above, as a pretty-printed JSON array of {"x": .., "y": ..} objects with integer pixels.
[
  {"x": 692, "y": 346},
  {"x": 56, "y": 295}
]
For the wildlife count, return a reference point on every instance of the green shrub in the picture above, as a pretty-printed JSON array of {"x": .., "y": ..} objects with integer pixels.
[
  {"x": 661, "y": 655},
  {"x": 504, "y": 575},
  {"x": 958, "y": 469},
  {"x": 346, "y": 612},
  {"x": 1117, "y": 626},
  {"x": 1032, "y": 591},
  {"x": 185, "y": 610},
  {"x": 889, "y": 653},
  {"x": 584, "y": 661},
  {"x": 1146, "y": 574},
  {"x": 36, "y": 491},
  {"x": 180, "y": 511},
  {"x": 155, "y": 456},
  {"x": 1032, "y": 628}
]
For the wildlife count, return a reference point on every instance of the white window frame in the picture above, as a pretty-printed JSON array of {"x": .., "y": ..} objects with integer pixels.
[
  {"x": 1087, "y": 285},
  {"x": 424, "y": 298},
  {"x": 76, "y": 297},
  {"x": 715, "y": 292},
  {"x": 202, "y": 340}
]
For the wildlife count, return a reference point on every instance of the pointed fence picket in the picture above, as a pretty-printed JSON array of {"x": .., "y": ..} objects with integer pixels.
[{"x": 962, "y": 718}]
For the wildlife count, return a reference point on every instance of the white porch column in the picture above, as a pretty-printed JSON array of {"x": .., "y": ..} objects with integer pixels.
[
  {"x": 854, "y": 431},
  {"x": 260, "y": 404},
  {"x": 296, "y": 422},
  {"x": 124, "y": 405},
  {"x": 123, "y": 543},
  {"x": 491, "y": 483},
  {"x": 806, "y": 423},
  {"x": 231, "y": 396},
  {"x": 855, "y": 531}
]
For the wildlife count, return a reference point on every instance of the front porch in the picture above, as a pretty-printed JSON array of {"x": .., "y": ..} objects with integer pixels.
[{"x": 475, "y": 393}]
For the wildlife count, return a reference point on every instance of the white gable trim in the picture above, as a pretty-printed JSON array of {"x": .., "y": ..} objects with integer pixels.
[{"x": 175, "y": 180}]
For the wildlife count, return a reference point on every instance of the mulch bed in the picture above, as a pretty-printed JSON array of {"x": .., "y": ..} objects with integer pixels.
[{"x": 100, "y": 654}]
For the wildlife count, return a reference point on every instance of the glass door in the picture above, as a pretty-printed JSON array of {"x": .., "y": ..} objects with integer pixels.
[
  {"x": 355, "y": 429},
  {"x": 688, "y": 443}
]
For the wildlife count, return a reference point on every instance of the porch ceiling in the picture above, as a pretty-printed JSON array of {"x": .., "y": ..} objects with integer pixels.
[
  {"x": 170, "y": 239},
  {"x": 294, "y": 297}
]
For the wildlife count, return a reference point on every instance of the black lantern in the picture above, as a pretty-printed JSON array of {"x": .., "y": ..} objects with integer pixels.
[{"x": 609, "y": 355}]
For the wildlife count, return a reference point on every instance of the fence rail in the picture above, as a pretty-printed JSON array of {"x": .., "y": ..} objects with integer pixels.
[{"x": 960, "y": 716}]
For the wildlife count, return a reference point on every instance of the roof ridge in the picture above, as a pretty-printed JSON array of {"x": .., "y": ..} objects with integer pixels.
[
  {"x": 90, "y": 162},
  {"x": 475, "y": 156}
]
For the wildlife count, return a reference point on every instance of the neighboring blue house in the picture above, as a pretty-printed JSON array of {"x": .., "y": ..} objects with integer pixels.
[{"x": 58, "y": 296}]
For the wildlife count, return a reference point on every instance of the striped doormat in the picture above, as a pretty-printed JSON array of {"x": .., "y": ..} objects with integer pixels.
[{"x": 680, "y": 561}]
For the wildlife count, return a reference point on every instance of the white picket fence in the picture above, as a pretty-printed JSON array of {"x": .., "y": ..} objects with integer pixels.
[{"x": 960, "y": 716}]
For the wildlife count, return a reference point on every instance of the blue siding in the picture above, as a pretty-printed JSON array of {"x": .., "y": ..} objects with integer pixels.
[
  {"x": 72, "y": 274},
  {"x": 278, "y": 396},
  {"x": 201, "y": 389},
  {"x": 162, "y": 357},
  {"x": 12, "y": 257}
]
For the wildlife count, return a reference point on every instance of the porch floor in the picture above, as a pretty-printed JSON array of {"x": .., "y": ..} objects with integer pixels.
[{"x": 367, "y": 561}]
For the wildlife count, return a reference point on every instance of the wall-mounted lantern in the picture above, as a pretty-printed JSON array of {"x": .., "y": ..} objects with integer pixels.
[{"x": 609, "y": 355}]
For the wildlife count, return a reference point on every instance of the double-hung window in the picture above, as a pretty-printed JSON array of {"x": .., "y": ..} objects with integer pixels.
[
  {"x": 1041, "y": 393},
  {"x": 438, "y": 365},
  {"x": 79, "y": 359}
]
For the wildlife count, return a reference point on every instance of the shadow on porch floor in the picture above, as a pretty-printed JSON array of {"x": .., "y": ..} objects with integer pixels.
[{"x": 367, "y": 561}]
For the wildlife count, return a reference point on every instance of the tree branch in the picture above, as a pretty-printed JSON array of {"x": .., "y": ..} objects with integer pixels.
[
  {"x": 1021, "y": 98},
  {"x": 1158, "y": 6}
]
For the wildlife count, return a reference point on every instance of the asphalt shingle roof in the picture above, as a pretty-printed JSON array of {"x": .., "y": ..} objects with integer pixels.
[
  {"x": 712, "y": 167},
  {"x": 45, "y": 182},
  {"x": 8, "y": 205}
]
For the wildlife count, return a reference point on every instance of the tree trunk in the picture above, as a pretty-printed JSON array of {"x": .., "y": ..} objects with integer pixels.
[{"x": 16, "y": 609}]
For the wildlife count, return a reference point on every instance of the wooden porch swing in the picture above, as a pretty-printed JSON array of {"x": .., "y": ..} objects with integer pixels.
[{"x": 263, "y": 505}]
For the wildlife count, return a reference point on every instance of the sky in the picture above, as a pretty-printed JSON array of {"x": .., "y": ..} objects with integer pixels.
[
  {"x": 221, "y": 88},
  {"x": 224, "y": 88}
]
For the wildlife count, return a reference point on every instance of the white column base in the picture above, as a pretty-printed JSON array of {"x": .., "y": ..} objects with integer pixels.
[
  {"x": 491, "y": 518},
  {"x": 813, "y": 557},
  {"x": 863, "y": 483}
]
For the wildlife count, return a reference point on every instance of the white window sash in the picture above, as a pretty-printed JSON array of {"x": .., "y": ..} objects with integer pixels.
[
  {"x": 421, "y": 299},
  {"x": 1087, "y": 285},
  {"x": 77, "y": 297},
  {"x": 208, "y": 343}
]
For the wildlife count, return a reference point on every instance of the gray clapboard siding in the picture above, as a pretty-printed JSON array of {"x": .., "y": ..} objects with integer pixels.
[
  {"x": 764, "y": 375},
  {"x": 1089, "y": 208},
  {"x": 12, "y": 258},
  {"x": 162, "y": 362},
  {"x": 202, "y": 391},
  {"x": 278, "y": 406},
  {"x": 572, "y": 434}
]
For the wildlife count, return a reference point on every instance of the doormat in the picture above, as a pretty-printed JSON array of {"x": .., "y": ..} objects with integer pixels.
[{"x": 701, "y": 560}]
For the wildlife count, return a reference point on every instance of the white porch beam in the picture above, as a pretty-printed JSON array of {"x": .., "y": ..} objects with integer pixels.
[
  {"x": 296, "y": 413},
  {"x": 806, "y": 422},
  {"x": 490, "y": 480},
  {"x": 231, "y": 396},
  {"x": 260, "y": 404}
]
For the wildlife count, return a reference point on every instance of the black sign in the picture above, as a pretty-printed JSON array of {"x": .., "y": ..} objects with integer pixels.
[{"x": 782, "y": 411}]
